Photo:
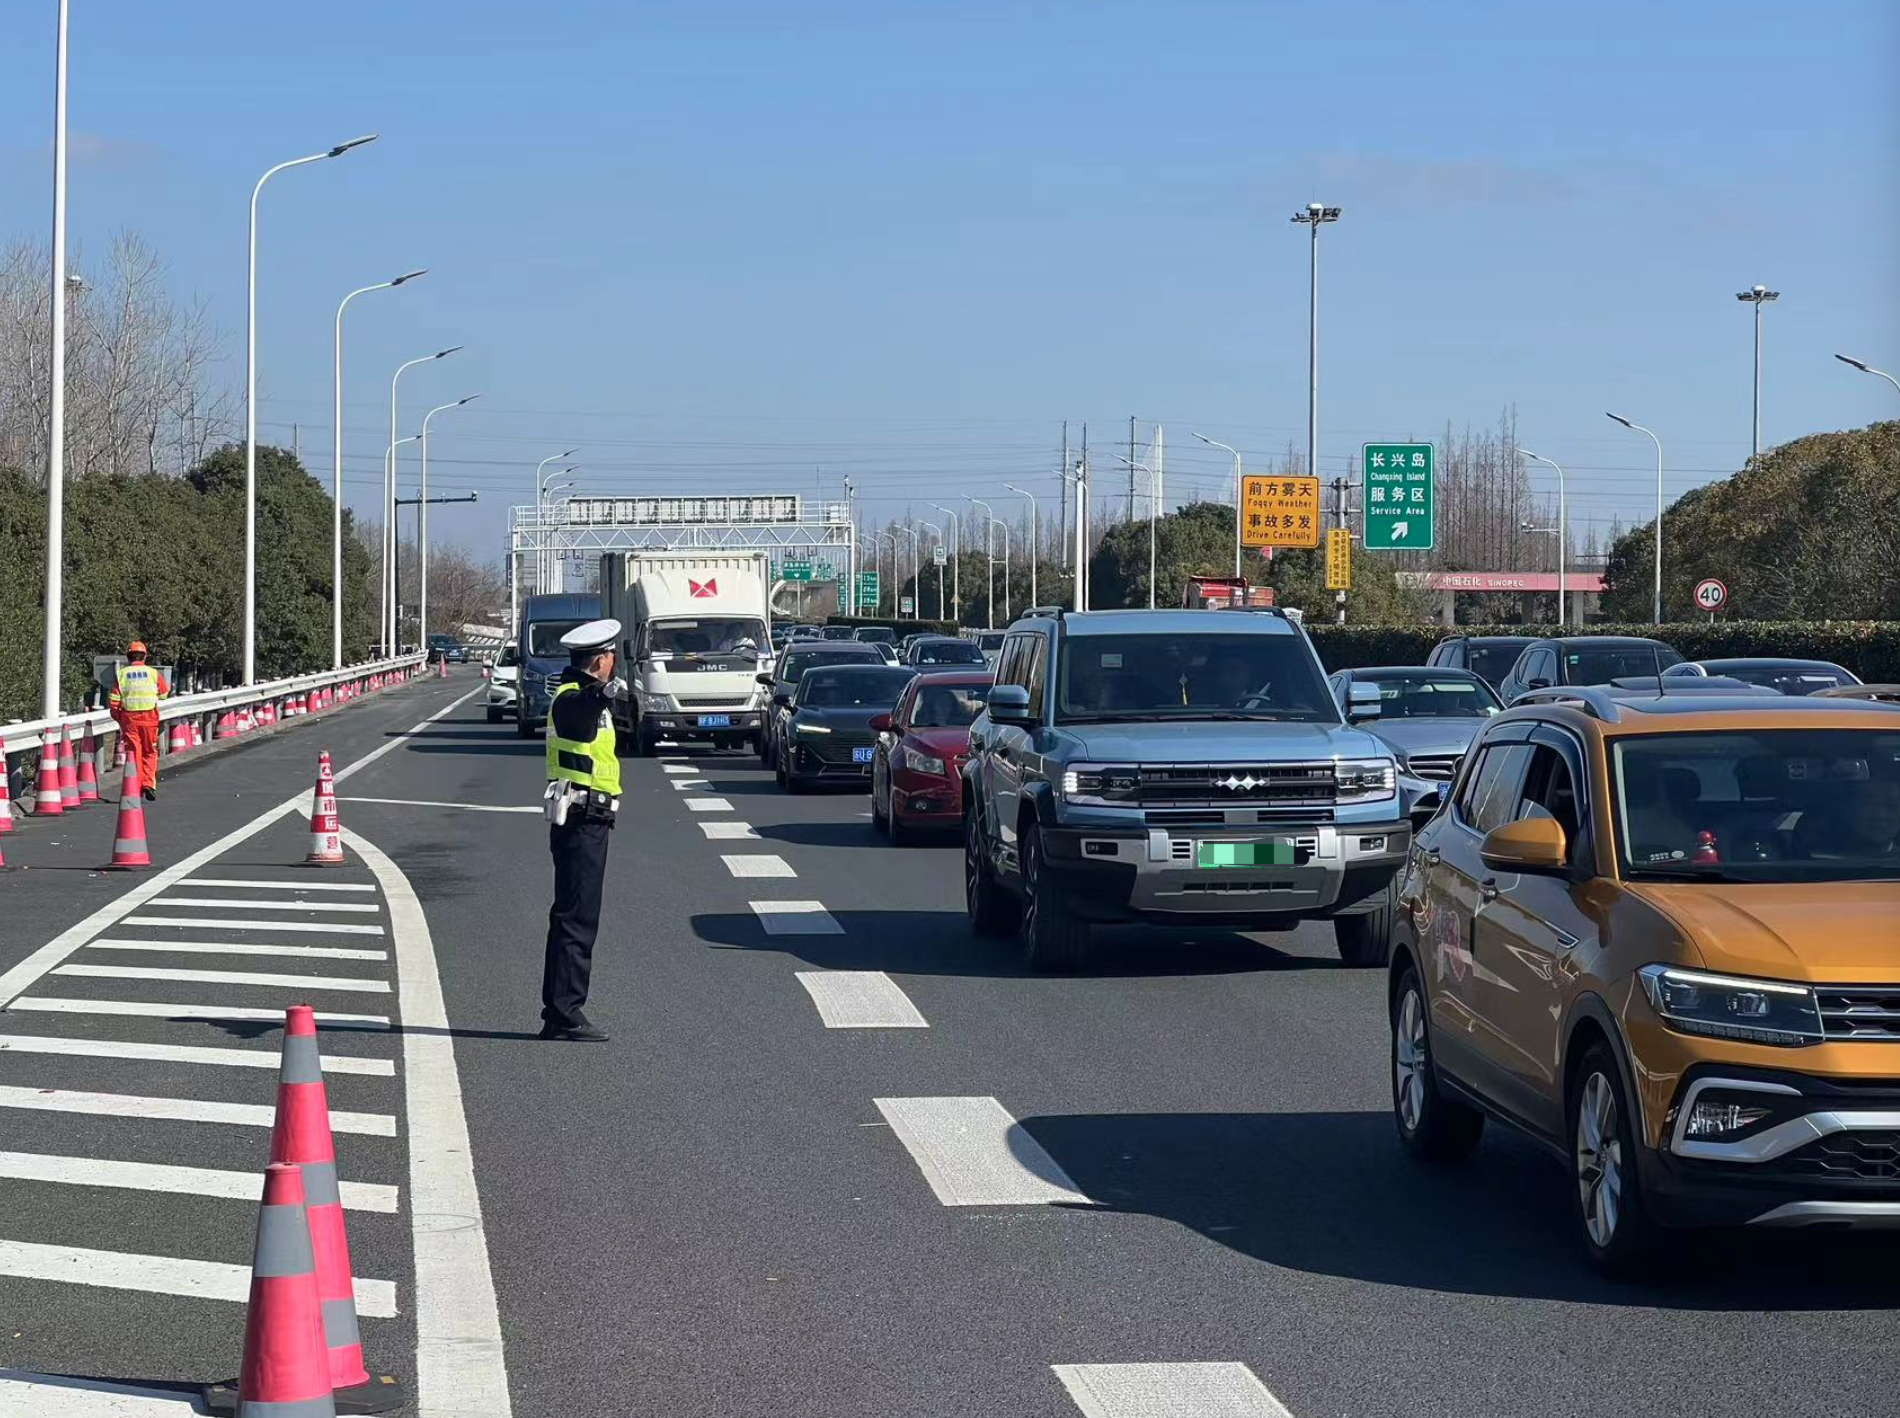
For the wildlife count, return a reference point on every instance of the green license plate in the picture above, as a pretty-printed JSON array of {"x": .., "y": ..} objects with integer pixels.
[{"x": 1245, "y": 854}]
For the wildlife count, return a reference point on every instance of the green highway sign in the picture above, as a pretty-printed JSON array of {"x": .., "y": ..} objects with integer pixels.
[
  {"x": 867, "y": 586},
  {"x": 825, "y": 572},
  {"x": 796, "y": 571},
  {"x": 1398, "y": 499}
]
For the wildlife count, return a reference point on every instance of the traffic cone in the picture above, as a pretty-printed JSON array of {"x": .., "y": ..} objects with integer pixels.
[
  {"x": 326, "y": 834},
  {"x": 68, "y": 777},
  {"x": 6, "y": 801},
  {"x": 47, "y": 802},
  {"x": 197, "y": 734},
  {"x": 128, "y": 838},
  {"x": 285, "y": 1371},
  {"x": 88, "y": 775}
]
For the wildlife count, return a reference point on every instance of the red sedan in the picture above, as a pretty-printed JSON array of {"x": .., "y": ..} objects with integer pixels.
[{"x": 916, "y": 782}]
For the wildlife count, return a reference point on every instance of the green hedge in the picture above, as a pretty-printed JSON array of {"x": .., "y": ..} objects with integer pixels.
[
  {"x": 902, "y": 627},
  {"x": 1870, "y": 648}
]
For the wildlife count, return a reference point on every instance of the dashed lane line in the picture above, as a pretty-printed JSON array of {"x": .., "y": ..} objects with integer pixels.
[
  {"x": 860, "y": 999},
  {"x": 727, "y": 831},
  {"x": 1168, "y": 1391},
  {"x": 178, "y": 1110},
  {"x": 235, "y": 947},
  {"x": 342, "y": 984},
  {"x": 163, "y": 1275},
  {"x": 182, "y": 1181},
  {"x": 973, "y": 1153},
  {"x": 189, "y": 1013},
  {"x": 677, "y": 768},
  {"x": 277, "y": 885},
  {"x": 32, "y": 1395},
  {"x": 709, "y": 805},
  {"x": 216, "y": 1056},
  {"x": 796, "y": 918},
  {"x": 758, "y": 864},
  {"x": 691, "y": 785},
  {"x": 213, "y": 923},
  {"x": 235, "y": 903}
]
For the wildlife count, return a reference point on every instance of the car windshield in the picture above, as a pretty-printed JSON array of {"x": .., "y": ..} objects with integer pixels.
[
  {"x": 990, "y": 640},
  {"x": 947, "y": 706},
  {"x": 1599, "y": 664},
  {"x": 877, "y": 634},
  {"x": 1492, "y": 662},
  {"x": 796, "y": 662},
  {"x": 868, "y": 688},
  {"x": 946, "y": 652},
  {"x": 1154, "y": 677},
  {"x": 1428, "y": 696},
  {"x": 713, "y": 635},
  {"x": 544, "y": 637},
  {"x": 509, "y": 657},
  {"x": 1787, "y": 679},
  {"x": 1763, "y": 805}
]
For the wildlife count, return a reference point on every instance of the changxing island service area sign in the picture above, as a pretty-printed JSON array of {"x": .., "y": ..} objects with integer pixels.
[{"x": 1398, "y": 501}]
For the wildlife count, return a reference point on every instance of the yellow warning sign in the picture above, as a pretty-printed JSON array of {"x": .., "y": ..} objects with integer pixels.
[
  {"x": 1279, "y": 511},
  {"x": 1339, "y": 560}
]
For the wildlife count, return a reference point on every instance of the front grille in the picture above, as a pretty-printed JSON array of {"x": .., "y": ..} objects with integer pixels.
[
  {"x": 719, "y": 702},
  {"x": 835, "y": 748},
  {"x": 1861, "y": 1012},
  {"x": 1436, "y": 767},
  {"x": 1287, "y": 784},
  {"x": 1861, "y": 1156}
]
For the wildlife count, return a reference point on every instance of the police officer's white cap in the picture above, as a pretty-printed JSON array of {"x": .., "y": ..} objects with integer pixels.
[{"x": 595, "y": 635}]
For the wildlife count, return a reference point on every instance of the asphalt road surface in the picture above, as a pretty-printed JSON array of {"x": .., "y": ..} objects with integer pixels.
[{"x": 840, "y": 1158}]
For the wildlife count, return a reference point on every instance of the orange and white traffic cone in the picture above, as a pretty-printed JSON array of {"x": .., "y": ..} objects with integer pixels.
[
  {"x": 47, "y": 802},
  {"x": 6, "y": 801},
  {"x": 129, "y": 852},
  {"x": 285, "y": 1371},
  {"x": 68, "y": 773},
  {"x": 326, "y": 833},
  {"x": 88, "y": 775}
]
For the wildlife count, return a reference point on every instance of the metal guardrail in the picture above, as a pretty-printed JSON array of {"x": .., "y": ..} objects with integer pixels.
[{"x": 30, "y": 736}]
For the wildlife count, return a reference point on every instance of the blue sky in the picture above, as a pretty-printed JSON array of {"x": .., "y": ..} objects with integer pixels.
[{"x": 756, "y": 246}]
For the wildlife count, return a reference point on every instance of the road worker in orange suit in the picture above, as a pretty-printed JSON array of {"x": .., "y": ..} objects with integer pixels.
[{"x": 135, "y": 705}]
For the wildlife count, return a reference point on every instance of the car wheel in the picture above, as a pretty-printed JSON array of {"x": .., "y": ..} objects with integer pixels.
[
  {"x": 1432, "y": 1126},
  {"x": 1054, "y": 937},
  {"x": 1616, "y": 1230},
  {"x": 991, "y": 910},
  {"x": 901, "y": 835},
  {"x": 880, "y": 819},
  {"x": 778, "y": 771},
  {"x": 1366, "y": 940},
  {"x": 494, "y": 714}
]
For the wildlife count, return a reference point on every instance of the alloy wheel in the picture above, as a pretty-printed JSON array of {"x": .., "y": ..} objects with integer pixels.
[
  {"x": 1409, "y": 1062},
  {"x": 1599, "y": 1160}
]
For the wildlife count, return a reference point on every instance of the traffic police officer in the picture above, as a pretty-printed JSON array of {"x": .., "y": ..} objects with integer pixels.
[{"x": 583, "y": 797}]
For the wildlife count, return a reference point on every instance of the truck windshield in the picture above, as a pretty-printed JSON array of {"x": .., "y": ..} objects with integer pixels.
[
  {"x": 707, "y": 635},
  {"x": 544, "y": 638},
  {"x": 1105, "y": 678}
]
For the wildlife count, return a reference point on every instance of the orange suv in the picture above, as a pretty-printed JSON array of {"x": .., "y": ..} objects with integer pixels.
[{"x": 1659, "y": 932}]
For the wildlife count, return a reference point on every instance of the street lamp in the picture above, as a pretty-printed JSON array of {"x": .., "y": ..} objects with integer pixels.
[
  {"x": 392, "y": 568},
  {"x": 1316, "y": 215},
  {"x": 916, "y": 565},
  {"x": 1563, "y": 544},
  {"x": 1866, "y": 368},
  {"x": 250, "y": 376},
  {"x": 1033, "y": 543},
  {"x": 1153, "y": 501},
  {"x": 989, "y": 563},
  {"x": 56, "y": 403},
  {"x": 541, "y": 476},
  {"x": 389, "y": 492},
  {"x": 1556, "y": 532},
  {"x": 1216, "y": 443},
  {"x": 920, "y": 574},
  {"x": 999, "y": 522},
  {"x": 1758, "y": 296},
  {"x": 336, "y": 472},
  {"x": 422, "y": 524},
  {"x": 1659, "y": 504},
  {"x": 956, "y": 558}
]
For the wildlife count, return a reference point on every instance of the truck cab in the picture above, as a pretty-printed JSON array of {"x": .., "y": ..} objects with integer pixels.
[{"x": 544, "y": 620}]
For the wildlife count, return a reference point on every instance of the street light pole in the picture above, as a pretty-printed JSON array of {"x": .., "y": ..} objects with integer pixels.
[
  {"x": 989, "y": 563},
  {"x": 1866, "y": 368},
  {"x": 56, "y": 403},
  {"x": 392, "y": 644},
  {"x": 336, "y": 469},
  {"x": 1556, "y": 532},
  {"x": 1216, "y": 443},
  {"x": 956, "y": 559},
  {"x": 1758, "y": 297},
  {"x": 1034, "y": 545},
  {"x": 1316, "y": 215},
  {"x": 422, "y": 520},
  {"x": 389, "y": 493},
  {"x": 920, "y": 572},
  {"x": 1659, "y": 505},
  {"x": 916, "y": 565},
  {"x": 250, "y": 393},
  {"x": 539, "y": 482},
  {"x": 1563, "y": 543},
  {"x": 1153, "y": 499}
]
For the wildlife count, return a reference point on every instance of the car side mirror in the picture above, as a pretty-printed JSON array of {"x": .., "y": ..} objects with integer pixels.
[
  {"x": 766, "y": 680},
  {"x": 1009, "y": 704},
  {"x": 1531, "y": 684},
  {"x": 1535, "y": 844},
  {"x": 881, "y": 724},
  {"x": 1362, "y": 702}
]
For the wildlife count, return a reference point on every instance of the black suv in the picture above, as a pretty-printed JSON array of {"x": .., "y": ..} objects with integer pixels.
[
  {"x": 1489, "y": 657},
  {"x": 1585, "y": 659}
]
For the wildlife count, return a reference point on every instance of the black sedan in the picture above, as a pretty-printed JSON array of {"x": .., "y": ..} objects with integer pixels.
[
  {"x": 945, "y": 651},
  {"x": 797, "y": 657},
  {"x": 828, "y": 735}
]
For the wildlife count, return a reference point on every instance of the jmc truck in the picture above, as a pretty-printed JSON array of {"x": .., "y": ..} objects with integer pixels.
[{"x": 696, "y": 628}]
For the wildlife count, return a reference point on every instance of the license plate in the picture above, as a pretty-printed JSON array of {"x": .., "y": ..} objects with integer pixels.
[
  {"x": 860, "y": 755},
  {"x": 1273, "y": 853},
  {"x": 715, "y": 721}
]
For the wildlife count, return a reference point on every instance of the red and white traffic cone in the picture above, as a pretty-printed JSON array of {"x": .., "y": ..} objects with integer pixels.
[
  {"x": 47, "y": 802},
  {"x": 286, "y": 1369},
  {"x": 129, "y": 852},
  {"x": 326, "y": 833},
  {"x": 88, "y": 775},
  {"x": 68, "y": 773}
]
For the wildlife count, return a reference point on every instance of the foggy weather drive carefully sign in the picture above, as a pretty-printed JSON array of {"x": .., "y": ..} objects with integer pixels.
[
  {"x": 1279, "y": 511},
  {"x": 1398, "y": 497}
]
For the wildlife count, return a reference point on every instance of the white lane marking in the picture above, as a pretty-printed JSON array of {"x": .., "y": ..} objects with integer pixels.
[
  {"x": 709, "y": 805},
  {"x": 23, "y": 975},
  {"x": 691, "y": 785},
  {"x": 420, "y": 802},
  {"x": 726, "y": 831},
  {"x": 156, "y": 1177},
  {"x": 162, "y": 1275},
  {"x": 676, "y": 768},
  {"x": 212, "y": 923},
  {"x": 228, "y": 1057},
  {"x": 234, "y": 947},
  {"x": 1168, "y": 1391},
  {"x": 346, "y": 984},
  {"x": 795, "y": 918},
  {"x": 177, "y": 1110},
  {"x": 860, "y": 999},
  {"x": 973, "y": 1153},
  {"x": 181, "y": 1013},
  {"x": 758, "y": 864},
  {"x": 236, "y": 903},
  {"x": 28, "y": 1395},
  {"x": 460, "y": 1364},
  {"x": 276, "y": 885}
]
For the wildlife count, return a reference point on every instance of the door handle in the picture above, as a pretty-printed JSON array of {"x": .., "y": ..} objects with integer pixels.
[{"x": 1488, "y": 889}]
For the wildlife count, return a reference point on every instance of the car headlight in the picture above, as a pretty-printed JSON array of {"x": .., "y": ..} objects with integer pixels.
[
  {"x": 1364, "y": 779},
  {"x": 921, "y": 762},
  {"x": 810, "y": 728},
  {"x": 1733, "y": 1006},
  {"x": 658, "y": 703},
  {"x": 1094, "y": 785}
]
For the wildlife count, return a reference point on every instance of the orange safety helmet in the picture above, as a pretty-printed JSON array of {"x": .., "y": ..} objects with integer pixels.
[{"x": 137, "y": 647}]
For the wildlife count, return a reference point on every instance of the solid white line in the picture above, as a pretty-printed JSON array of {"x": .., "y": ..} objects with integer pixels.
[
  {"x": 186, "y": 1181},
  {"x": 239, "y": 904},
  {"x": 461, "y": 1368},
  {"x": 213, "y": 924},
  {"x": 276, "y": 885},
  {"x": 726, "y": 831},
  {"x": 347, "y": 984},
  {"x": 27, "y": 1395},
  {"x": 234, "y": 947},
  {"x": 419, "y": 802},
  {"x": 795, "y": 918},
  {"x": 230, "y": 1057},
  {"x": 973, "y": 1153},
  {"x": 1168, "y": 1391},
  {"x": 860, "y": 999},
  {"x": 758, "y": 864},
  {"x": 182, "y": 1013},
  {"x": 178, "y": 1110},
  {"x": 709, "y": 805},
  {"x": 161, "y": 1275}
]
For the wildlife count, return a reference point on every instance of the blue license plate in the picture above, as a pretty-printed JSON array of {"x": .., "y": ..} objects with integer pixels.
[
  {"x": 715, "y": 721},
  {"x": 860, "y": 755}
]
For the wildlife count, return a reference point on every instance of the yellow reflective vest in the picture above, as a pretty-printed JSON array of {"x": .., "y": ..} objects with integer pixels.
[
  {"x": 138, "y": 688},
  {"x": 588, "y": 763}
]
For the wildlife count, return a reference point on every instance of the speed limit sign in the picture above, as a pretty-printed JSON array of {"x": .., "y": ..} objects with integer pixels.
[{"x": 1711, "y": 595}]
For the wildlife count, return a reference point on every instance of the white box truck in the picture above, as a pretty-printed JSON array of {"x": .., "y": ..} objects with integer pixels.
[{"x": 696, "y": 633}]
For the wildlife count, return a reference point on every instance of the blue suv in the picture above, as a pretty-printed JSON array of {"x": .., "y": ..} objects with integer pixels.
[{"x": 1182, "y": 767}]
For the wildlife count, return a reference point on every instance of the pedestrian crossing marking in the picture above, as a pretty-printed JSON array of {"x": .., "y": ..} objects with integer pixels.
[
  {"x": 212, "y": 923},
  {"x": 758, "y": 864},
  {"x": 342, "y": 984},
  {"x": 233, "y": 947},
  {"x": 162, "y": 1275},
  {"x": 28, "y": 1395},
  {"x": 239, "y": 904},
  {"x": 183, "y": 1181},
  {"x": 274, "y": 885},
  {"x": 178, "y": 1110},
  {"x": 860, "y": 999},
  {"x": 228, "y": 1057},
  {"x": 1203, "y": 1390},
  {"x": 182, "y": 1013},
  {"x": 973, "y": 1153}
]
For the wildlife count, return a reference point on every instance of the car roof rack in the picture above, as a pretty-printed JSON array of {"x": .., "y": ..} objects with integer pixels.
[
  {"x": 1047, "y": 612},
  {"x": 1592, "y": 699}
]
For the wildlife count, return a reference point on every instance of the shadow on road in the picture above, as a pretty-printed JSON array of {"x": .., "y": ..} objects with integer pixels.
[
  {"x": 1331, "y": 1194},
  {"x": 834, "y": 834},
  {"x": 506, "y": 748}
]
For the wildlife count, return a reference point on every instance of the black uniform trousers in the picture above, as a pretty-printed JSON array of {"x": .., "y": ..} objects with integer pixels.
[{"x": 579, "y": 847}]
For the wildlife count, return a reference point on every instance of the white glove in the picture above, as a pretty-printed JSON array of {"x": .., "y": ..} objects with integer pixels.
[{"x": 615, "y": 688}]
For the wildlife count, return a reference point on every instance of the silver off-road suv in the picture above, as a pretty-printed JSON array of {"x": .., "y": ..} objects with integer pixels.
[{"x": 1183, "y": 767}]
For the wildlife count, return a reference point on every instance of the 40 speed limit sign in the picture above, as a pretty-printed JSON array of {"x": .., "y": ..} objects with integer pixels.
[{"x": 1711, "y": 595}]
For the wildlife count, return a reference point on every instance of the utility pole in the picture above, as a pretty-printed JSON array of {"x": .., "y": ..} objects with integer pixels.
[
  {"x": 1082, "y": 525},
  {"x": 1062, "y": 518},
  {"x": 1131, "y": 468},
  {"x": 1758, "y": 297},
  {"x": 56, "y": 401}
]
